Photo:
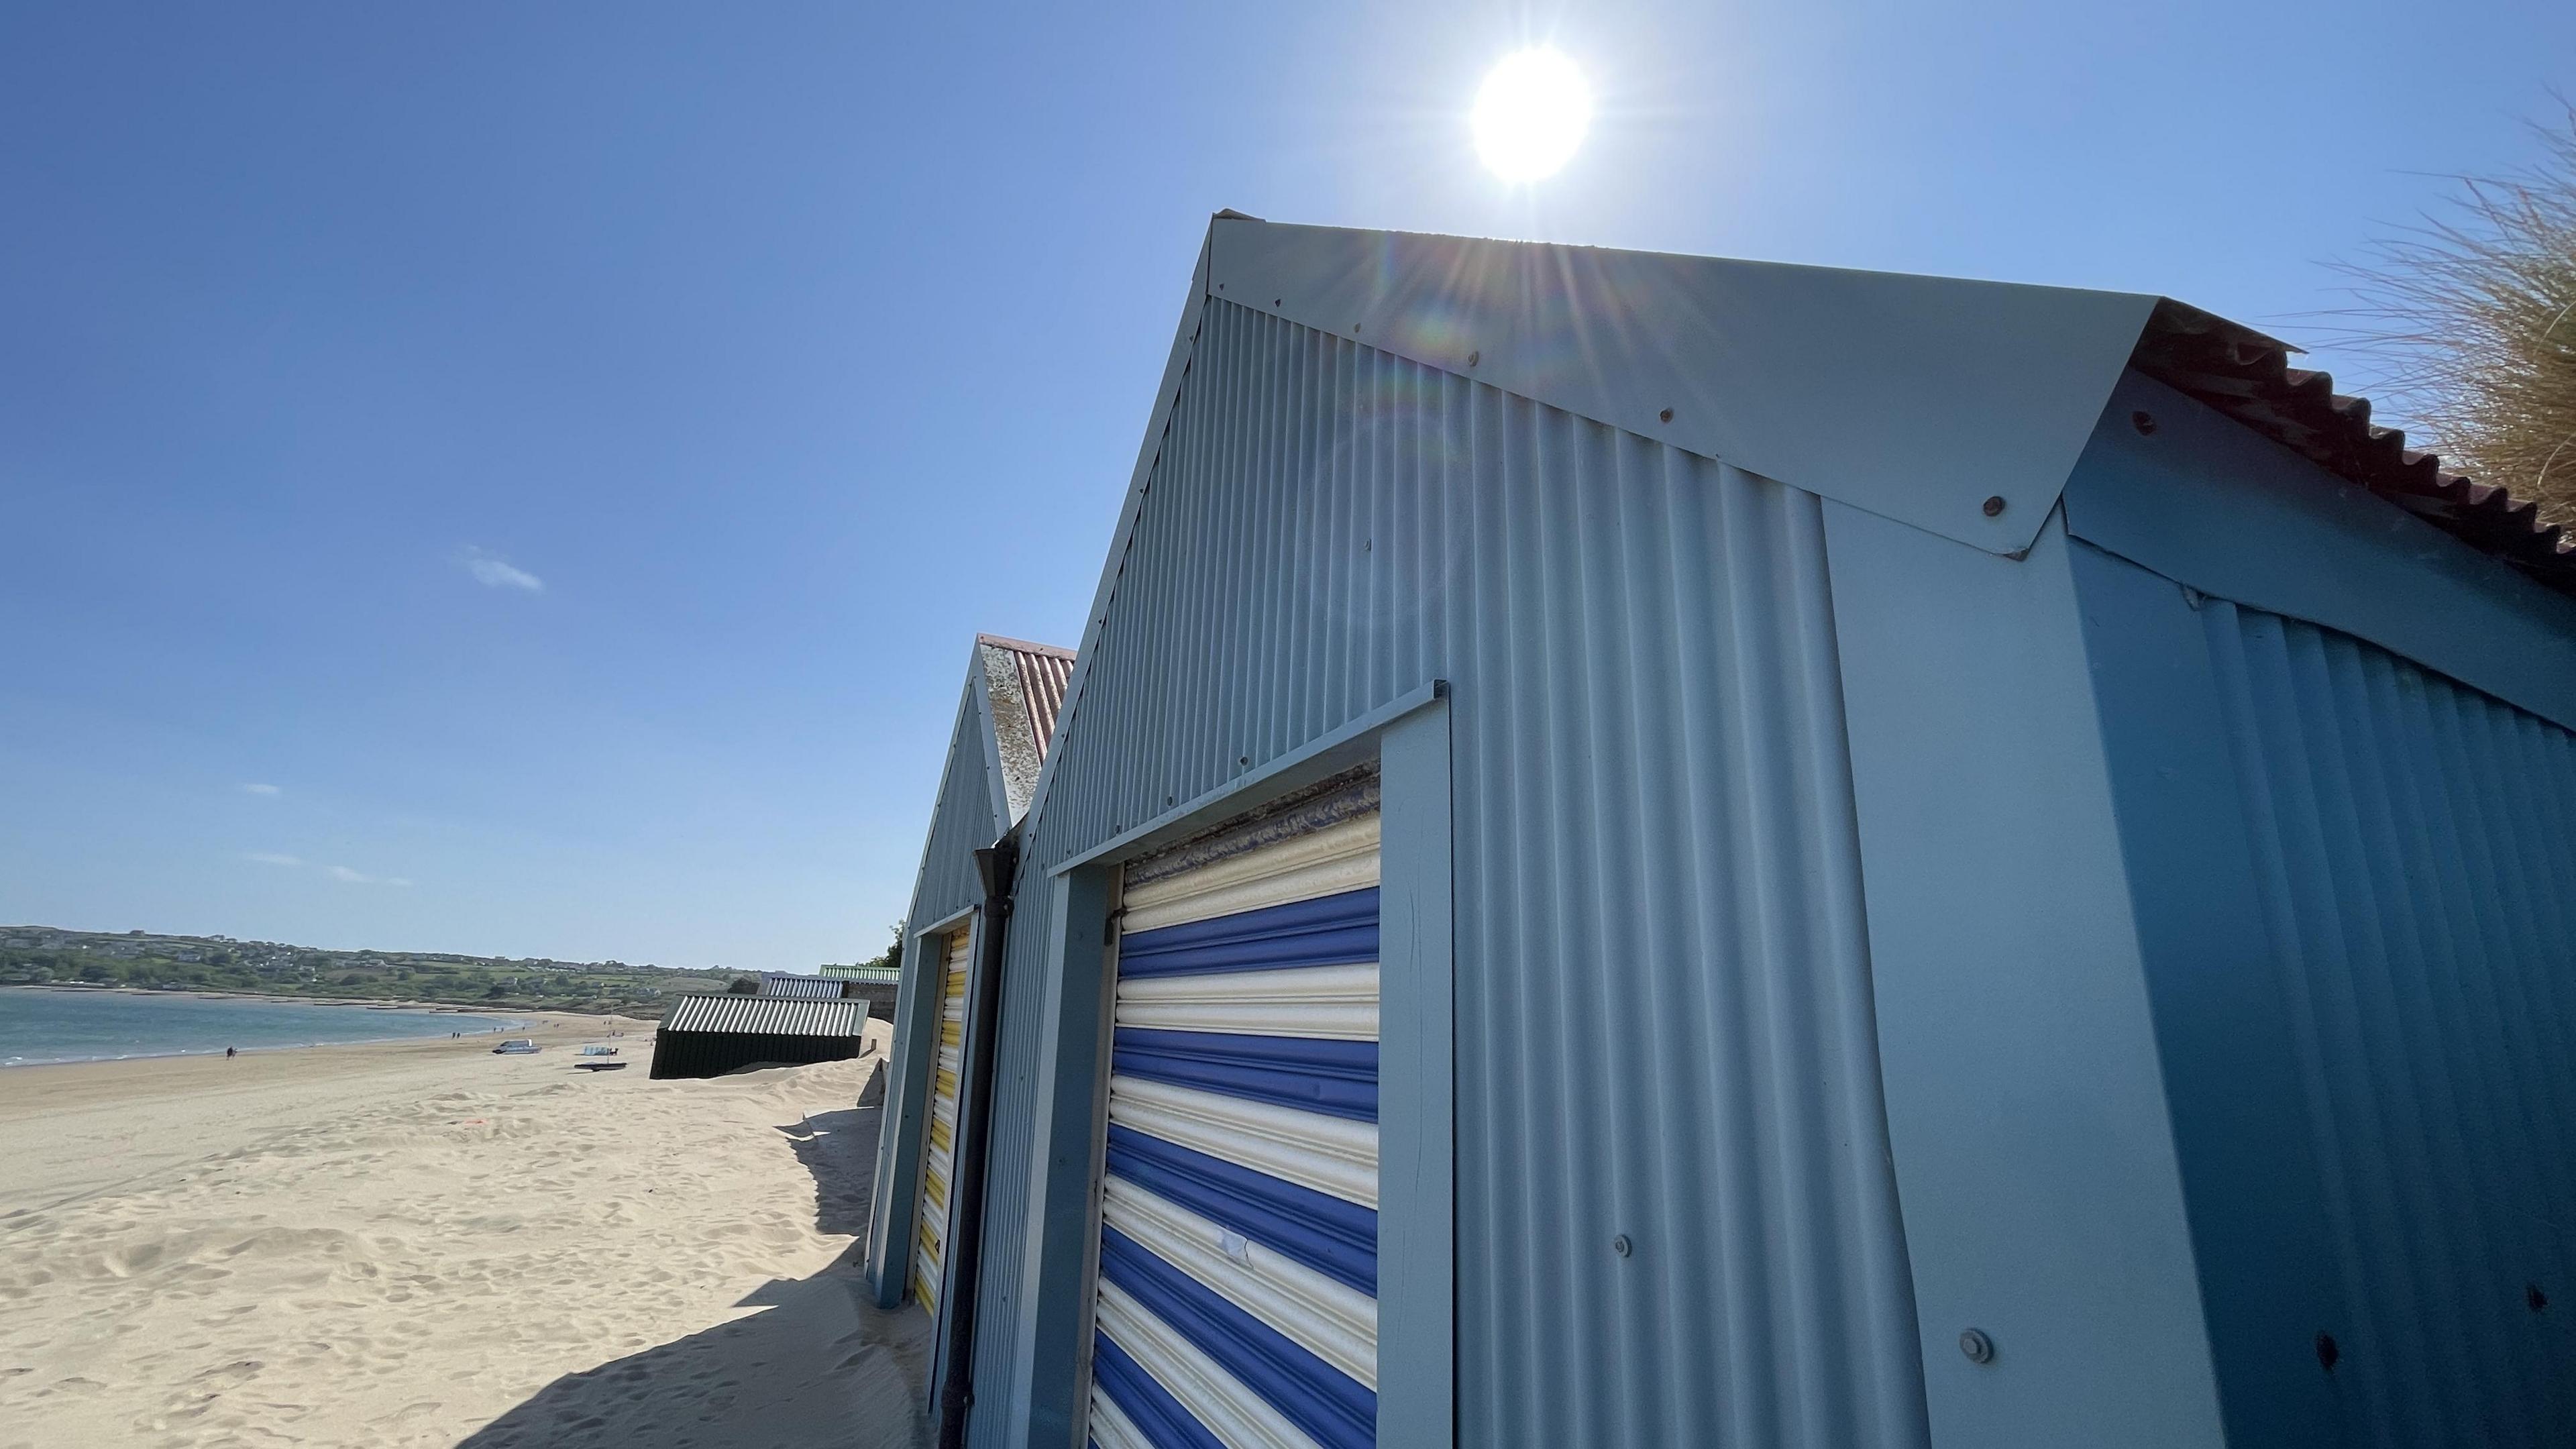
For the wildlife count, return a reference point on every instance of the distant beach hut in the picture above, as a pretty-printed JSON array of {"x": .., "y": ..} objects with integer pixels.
[
  {"x": 711, "y": 1034},
  {"x": 873, "y": 985},
  {"x": 785, "y": 983}
]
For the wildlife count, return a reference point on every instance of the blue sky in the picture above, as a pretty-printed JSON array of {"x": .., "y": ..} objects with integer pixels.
[{"x": 563, "y": 454}]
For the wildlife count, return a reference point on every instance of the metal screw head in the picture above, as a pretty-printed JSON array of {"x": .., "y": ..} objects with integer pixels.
[
  {"x": 1621, "y": 1246},
  {"x": 2144, "y": 422},
  {"x": 1995, "y": 506},
  {"x": 1974, "y": 1343},
  {"x": 1474, "y": 357},
  {"x": 1665, "y": 416}
]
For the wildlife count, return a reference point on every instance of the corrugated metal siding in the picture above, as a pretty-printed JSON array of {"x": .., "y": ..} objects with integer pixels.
[
  {"x": 2415, "y": 853},
  {"x": 782, "y": 983},
  {"x": 1664, "y": 1025},
  {"x": 714, "y": 1053},
  {"x": 960, "y": 823},
  {"x": 767, "y": 1015},
  {"x": 1011, "y": 1137}
]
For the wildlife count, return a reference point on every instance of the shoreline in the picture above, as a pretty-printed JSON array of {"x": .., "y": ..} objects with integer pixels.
[
  {"x": 41, "y": 1088},
  {"x": 204, "y": 993},
  {"x": 507, "y": 1022}
]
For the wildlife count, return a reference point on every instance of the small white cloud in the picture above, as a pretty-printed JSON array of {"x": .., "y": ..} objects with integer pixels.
[
  {"x": 270, "y": 857},
  {"x": 495, "y": 572},
  {"x": 259, "y": 789},
  {"x": 343, "y": 873}
]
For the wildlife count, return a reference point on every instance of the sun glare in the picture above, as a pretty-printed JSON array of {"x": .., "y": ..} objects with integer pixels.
[{"x": 1531, "y": 115}]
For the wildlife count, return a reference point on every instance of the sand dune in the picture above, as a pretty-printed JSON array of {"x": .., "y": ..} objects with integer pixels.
[{"x": 426, "y": 1244}]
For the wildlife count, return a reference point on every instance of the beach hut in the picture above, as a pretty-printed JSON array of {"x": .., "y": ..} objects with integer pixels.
[
  {"x": 710, "y": 1034},
  {"x": 1005, "y": 716},
  {"x": 788, "y": 983},
  {"x": 879, "y": 986},
  {"x": 1653, "y": 850}
]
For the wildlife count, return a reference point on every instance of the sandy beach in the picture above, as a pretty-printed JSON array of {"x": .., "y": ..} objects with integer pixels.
[{"x": 422, "y": 1243}]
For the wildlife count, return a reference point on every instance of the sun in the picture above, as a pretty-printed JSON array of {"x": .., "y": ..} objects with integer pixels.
[{"x": 1531, "y": 114}]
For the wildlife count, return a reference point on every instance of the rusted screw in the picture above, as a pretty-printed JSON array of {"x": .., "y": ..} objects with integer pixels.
[
  {"x": 1995, "y": 506},
  {"x": 1474, "y": 357},
  {"x": 1665, "y": 416},
  {"x": 2144, "y": 422},
  {"x": 2327, "y": 1352}
]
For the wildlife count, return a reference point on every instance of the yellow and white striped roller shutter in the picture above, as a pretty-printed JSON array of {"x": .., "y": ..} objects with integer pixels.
[
  {"x": 930, "y": 1231},
  {"x": 1237, "y": 1297}
]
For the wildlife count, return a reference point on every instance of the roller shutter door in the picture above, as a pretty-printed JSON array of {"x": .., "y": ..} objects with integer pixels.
[
  {"x": 930, "y": 1231},
  {"x": 1236, "y": 1298}
]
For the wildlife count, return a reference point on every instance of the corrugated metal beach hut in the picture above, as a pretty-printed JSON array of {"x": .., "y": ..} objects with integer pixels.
[
  {"x": 1005, "y": 716},
  {"x": 788, "y": 983},
  {"x": 708, "y": 1035},
  {"x": 1651, "y": 850},
  {"x": 877, "y": 987}
]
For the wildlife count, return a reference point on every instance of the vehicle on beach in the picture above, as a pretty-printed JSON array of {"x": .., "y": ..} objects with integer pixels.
[
  {"x": 517, "y": 1046},
  {"x": 599, "y": 1051}
]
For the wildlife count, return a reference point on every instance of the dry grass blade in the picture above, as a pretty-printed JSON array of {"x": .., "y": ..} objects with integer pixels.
[{"x": 2471, "y": 321}]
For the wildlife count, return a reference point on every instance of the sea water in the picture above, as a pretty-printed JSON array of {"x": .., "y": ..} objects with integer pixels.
[{"x": 49, "y": 1024}]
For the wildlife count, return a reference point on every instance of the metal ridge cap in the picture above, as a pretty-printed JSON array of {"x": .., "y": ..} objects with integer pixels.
[
  {"x": 1023, "y": 646},
  {"x": 1955, "y": 405}
]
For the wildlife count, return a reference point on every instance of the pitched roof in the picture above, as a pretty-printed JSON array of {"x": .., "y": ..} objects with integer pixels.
[
  {"x": 1957, "y": 406},
  {"x": 2247, "y": 376},
  {"x": 1024, "y": 687},
  {"x": 767, "y": 1015},
  {"x": 800, "y": 983},
  {"x": 1043, "y": 670}
]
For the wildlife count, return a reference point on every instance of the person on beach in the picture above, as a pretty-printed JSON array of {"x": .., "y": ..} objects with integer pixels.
[{"x": 229, "y": 1053}]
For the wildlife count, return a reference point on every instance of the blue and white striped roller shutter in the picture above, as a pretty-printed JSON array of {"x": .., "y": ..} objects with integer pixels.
[{"x": 1236, "y": 1301}]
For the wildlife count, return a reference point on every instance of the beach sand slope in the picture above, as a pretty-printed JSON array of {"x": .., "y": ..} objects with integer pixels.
[{"x": 426, "y": 1244}]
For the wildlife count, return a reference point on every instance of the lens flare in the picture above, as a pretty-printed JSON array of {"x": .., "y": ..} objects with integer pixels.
[{"x": 1531, "y": 114}]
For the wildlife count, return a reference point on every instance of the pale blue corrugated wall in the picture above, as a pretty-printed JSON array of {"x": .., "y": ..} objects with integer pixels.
[
  {"x": 2414, "y": 846},
  {"x": 1664, "y": 1025},
  {"x": 961, "y": 820}
]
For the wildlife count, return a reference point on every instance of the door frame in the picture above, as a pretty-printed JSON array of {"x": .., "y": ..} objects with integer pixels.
[{"x": 1417, "y": 1304}]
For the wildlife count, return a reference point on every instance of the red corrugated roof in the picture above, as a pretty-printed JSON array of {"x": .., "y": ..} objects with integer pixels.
[
  {"x": 1044, "y": 671},
  {"x": 2248, "y": 376}
]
